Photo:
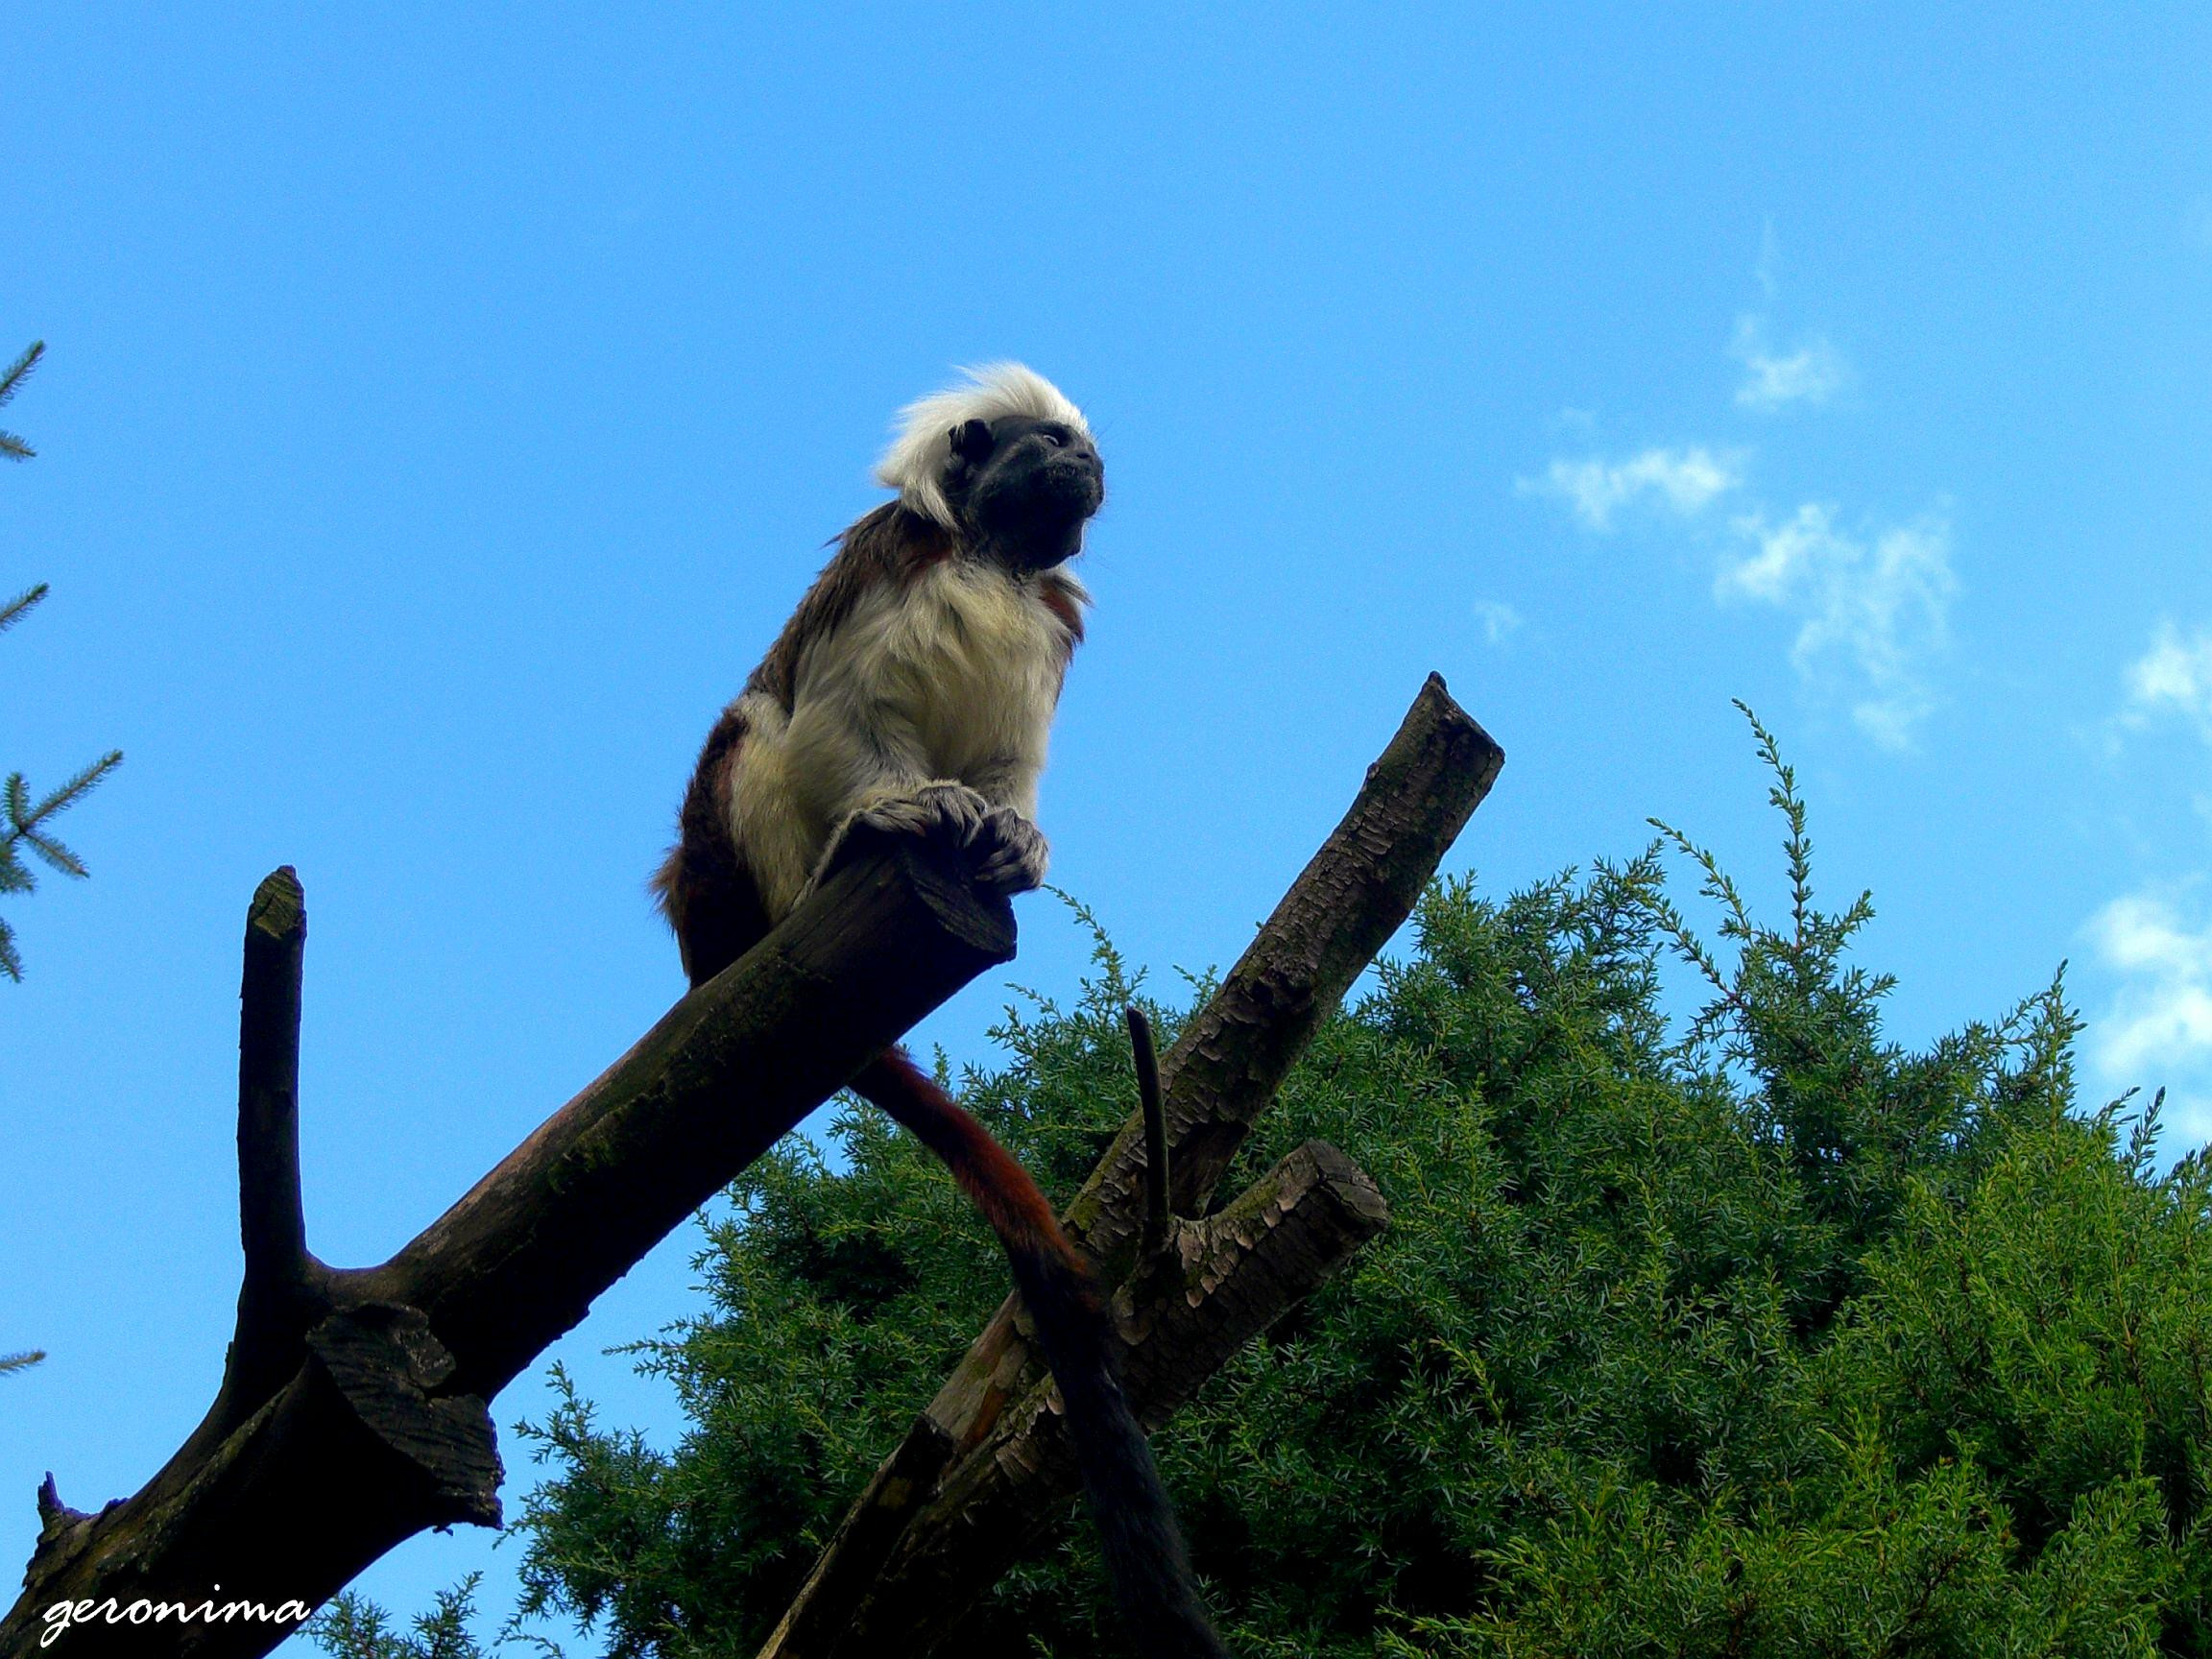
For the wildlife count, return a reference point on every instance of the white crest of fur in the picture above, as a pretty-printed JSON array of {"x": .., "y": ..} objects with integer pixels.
[{"x": 915, "y": 464}]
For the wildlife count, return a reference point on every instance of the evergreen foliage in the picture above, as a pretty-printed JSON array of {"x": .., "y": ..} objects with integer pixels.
[
  {"x": 24, "y": 821},
  {"x": 12, "y": 447},
  {"x": 352, "y": 1627},
  {"x": 1755, "y": 1334}
]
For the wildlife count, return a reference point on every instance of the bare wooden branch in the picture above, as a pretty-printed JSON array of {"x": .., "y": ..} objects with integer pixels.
[
  {"x": 1235, "y": 1052},
  {"x": 719, "y": 1080},
  {"x": 1224, "y": 1068},
  {"x": 376, "y": 1427},
  {"x": 276, "y": 1298},
  {"x": 1223, "y": 1281},
  {"x": 372, "y": 1385},
  {"x": 1353, "y": 894}
]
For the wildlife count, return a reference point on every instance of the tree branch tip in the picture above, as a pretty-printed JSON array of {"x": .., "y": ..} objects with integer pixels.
[
  {"x": 1153, "y": 1237},
  {"x": 280, "y": 904},
  {"x": 53, "y": 1513},
  {"x": 1450, "y": 709}
]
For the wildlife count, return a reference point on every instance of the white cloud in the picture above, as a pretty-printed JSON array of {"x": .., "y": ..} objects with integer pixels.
[
  {"x": 1871, "y": 605},
  {"x": 1685, "y": 481},
  {"x": 1813, "y": 373},
  {"x": 1871, "y": 609},
  {"x": 2158, "y": 1030},
  {"x": 2174, "y": 677},
  {"x": 1498, "y": 618}
]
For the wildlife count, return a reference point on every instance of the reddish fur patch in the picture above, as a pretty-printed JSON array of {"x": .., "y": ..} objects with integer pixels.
[
  {"x": 1061, "y": 602},
  {"x": 1136, "y": 1531},
  {"x": 991, "y": 1176}
]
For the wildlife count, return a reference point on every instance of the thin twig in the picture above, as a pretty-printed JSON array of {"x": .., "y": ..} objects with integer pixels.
[{"x": 1153, "y": 1238}]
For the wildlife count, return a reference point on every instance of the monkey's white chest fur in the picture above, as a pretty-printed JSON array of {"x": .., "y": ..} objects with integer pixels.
[{"x": 953, "y": 678}]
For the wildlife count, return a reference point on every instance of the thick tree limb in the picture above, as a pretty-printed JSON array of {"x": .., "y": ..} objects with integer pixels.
[
  {"x": 1353, "y": 894},
  {"x": 1223, "y": 1281},
  {"x": 1224, "y": 1068},
  {"x": 283, "y": 1290},
  {"x": 353, "y": 1412}
]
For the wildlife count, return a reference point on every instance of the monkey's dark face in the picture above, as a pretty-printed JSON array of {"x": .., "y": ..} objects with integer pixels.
[{"x": 1024, "y": 488}]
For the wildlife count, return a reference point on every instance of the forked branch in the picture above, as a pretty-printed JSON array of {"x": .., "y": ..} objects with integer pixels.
[{"x": 924, "y": 1540}]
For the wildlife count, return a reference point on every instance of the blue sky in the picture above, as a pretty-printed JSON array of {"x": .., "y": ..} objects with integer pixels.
[{"x": 445, "y": 406}]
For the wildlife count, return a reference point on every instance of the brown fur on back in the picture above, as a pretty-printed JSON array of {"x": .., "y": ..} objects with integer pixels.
[
  {"x": 702, "y": 885},
  {"x": 891, "y": 543}
]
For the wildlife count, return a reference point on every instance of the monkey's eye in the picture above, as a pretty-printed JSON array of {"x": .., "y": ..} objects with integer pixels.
[{"x": 1056, "y": 436}]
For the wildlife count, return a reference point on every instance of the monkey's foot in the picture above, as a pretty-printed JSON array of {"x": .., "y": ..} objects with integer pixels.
[
  {"x": 1006, "y": 852},
  {"x": 1014, "y": 853},
  {"x": 949, "y": 810}
]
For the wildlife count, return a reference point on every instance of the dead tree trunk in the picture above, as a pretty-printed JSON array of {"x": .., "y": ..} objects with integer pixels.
[
  {"x": 986, "y": 1466},
  {"x": 352, "y": 1409}
]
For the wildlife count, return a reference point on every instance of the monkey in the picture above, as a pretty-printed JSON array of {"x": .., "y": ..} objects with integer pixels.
[{"x": 913, "y": 690}]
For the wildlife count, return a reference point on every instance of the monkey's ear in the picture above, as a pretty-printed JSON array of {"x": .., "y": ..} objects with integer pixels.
[{"x": 972, "y": 442}]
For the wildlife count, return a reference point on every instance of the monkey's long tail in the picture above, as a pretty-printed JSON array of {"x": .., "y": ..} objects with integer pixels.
[{"x": 1137, "y": 1529}]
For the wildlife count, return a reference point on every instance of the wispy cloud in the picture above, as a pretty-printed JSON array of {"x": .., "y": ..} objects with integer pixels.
[
  {"x": 1499, "y": 620},
  {"x": 2158, "y": 1029},
  {"x": 1766, "y": 269},
  {"x": 1813, "y": 373},
  {"x": 1683, "y": 481},
  {"x": 1870, "y": 603},
  {"x": 1872, "y": 609},
  {"x": 2174, "y": 677}
]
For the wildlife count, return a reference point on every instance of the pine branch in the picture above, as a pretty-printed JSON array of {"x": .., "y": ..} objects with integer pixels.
[
  {"x": 19, "y": 607},
  {"x": 77, "y": 789},
  {"x": 53, "y": 853},
  {"x": 10, "y": 1362},
  {"x": 24, "y": 821},
  {"x": 18, "y": 372}
]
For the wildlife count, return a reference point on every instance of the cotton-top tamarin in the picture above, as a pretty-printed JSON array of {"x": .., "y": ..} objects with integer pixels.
[{"x": 913, "y": 689}]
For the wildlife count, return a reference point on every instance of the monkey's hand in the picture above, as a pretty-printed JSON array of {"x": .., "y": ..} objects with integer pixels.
[{"x": 1007, "y": 851}]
